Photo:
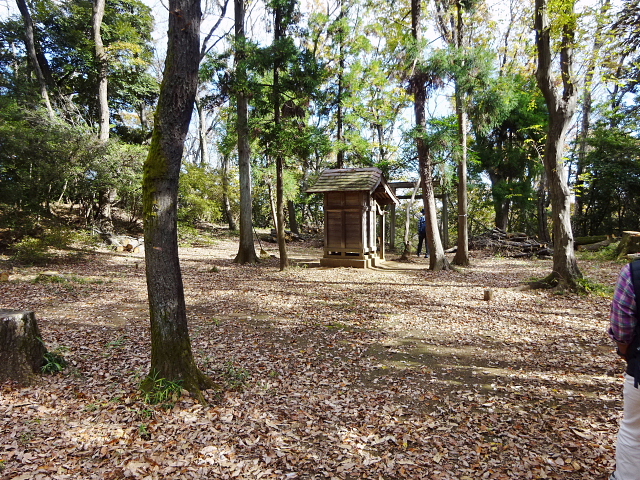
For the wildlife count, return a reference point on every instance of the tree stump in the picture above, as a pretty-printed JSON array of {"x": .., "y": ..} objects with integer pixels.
[
  {"x": 630, "y": 243},
  {"x": 21, "y": 347}
]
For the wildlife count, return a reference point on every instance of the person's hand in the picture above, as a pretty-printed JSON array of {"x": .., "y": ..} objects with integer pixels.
[{"x": 622, "y": 349}]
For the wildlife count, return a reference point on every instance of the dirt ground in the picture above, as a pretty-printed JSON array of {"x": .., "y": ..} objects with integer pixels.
[{"x": 394, "y": 372}]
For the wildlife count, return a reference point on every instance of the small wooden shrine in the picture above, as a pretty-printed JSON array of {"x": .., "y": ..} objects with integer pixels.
[{"x": 354, "y": 200}]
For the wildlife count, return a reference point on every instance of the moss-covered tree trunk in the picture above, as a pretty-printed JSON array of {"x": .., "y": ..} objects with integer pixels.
[{"x": 171, "y": 355}]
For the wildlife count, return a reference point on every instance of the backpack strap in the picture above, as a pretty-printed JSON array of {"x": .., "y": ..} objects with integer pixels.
[{"x": 633, "y": 354}]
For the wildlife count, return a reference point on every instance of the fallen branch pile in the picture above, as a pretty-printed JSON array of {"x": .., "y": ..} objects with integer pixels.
[{"x": 510, "y": 244}]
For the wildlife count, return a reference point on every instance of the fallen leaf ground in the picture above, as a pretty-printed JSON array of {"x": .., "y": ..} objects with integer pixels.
[{"x": 390, "y": 373}]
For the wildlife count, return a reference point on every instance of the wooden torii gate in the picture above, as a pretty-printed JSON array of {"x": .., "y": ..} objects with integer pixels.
[{"x": 392, "y": 224}]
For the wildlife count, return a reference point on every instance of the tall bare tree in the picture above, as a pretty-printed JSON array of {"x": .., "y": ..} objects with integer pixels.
[
  {"x": 171, "y": 354},
  {"x": 562, "y": 107}
]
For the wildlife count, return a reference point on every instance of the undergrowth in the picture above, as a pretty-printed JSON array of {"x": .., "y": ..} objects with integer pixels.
[
  {"x": 54, "y": 361},
  {"x": 605, "y": 254},
  {"x": 160, "y": 391},
  {"x": 235, "y": 377},
  {"x": 43, "y": 248}
]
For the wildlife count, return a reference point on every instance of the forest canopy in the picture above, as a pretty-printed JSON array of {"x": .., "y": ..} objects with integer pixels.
[{"x": 334, "y": 89}]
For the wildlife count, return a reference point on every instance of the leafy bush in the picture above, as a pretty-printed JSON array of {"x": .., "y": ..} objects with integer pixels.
[
  {"x": 200, "y": 195},
  {"x": 32, "y": 250}
]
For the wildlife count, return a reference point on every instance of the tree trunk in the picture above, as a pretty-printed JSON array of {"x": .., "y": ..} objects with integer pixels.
[
  {"x": 293, "y": 220},
  {"x": 102, "y": 69},
  {"x": 437, "y": 259},
  {"x": 21, "y": 348},
  {"x": 202, "y": 134},
  {"x": 246, "y": 247},
  {"x": 462, "y": 253},
  {"x": 171, "y": 355},
  {"x": 543, "y": 203},
  {"x": 561, "y": 111},
  {"x": 280, "y": 225},
  {"x": 225, "y": 194},
  {"x": 339, "y": 109},
  {"x": 108, "y": 196},
  {"x": 502, "y": 208},
  {"x": 30, "y": 43},
  {"x": 382, "y": 154},
  {"x": 106, "y": 199},
  {"x": 272, "y": 204}
]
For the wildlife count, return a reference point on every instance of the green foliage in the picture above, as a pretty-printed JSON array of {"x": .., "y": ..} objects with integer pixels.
[
  {"x": 38, "y": 155},
  {"x": 143, "y": 431},
  {"x": 117, "y": 343},
  {"x": 65, "y": 38},
  {"x": 508, "y": 153},
  {"x": 189, "y": 235},
  {"x": 40, "y": 249},
  {"x": 589, "y": 287},
  {"x": 32, "y": 251},
  {"x": 199, "y": 195},
  {"x": 160, "y": 391},
  {"x": 54, "y": 361},
  {"x": 606, "y": 254},
  {"x": 472, "y": 69},
  {"x": 611, "y": 203},
  {"x": 43, "y": 160}
]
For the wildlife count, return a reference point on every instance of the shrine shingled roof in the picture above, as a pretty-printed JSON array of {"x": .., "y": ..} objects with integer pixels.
[{"x": 369, "y": 180}]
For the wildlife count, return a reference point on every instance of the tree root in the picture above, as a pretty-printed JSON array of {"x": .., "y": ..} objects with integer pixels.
[{"x": 558, "y": 284}]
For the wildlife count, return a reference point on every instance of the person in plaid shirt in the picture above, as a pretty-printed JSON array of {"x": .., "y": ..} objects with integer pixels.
[{"x": 621, "y": 330}]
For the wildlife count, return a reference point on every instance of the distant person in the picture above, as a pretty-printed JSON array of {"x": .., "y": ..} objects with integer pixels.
[
  {"x": 624, "y": 330},
  {"x": 422, "y": 235}
]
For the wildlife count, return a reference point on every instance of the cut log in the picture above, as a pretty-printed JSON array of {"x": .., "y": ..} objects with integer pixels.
[
  {"x": 594, "y": 247},
  {"x": 589, "y": 240},
  {"x": 511, "y": 244},
  {"x": 21, "y": 348}
]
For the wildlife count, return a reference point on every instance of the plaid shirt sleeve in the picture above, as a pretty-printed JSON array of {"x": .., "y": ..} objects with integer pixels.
[{"x": 623, "y": 308}]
